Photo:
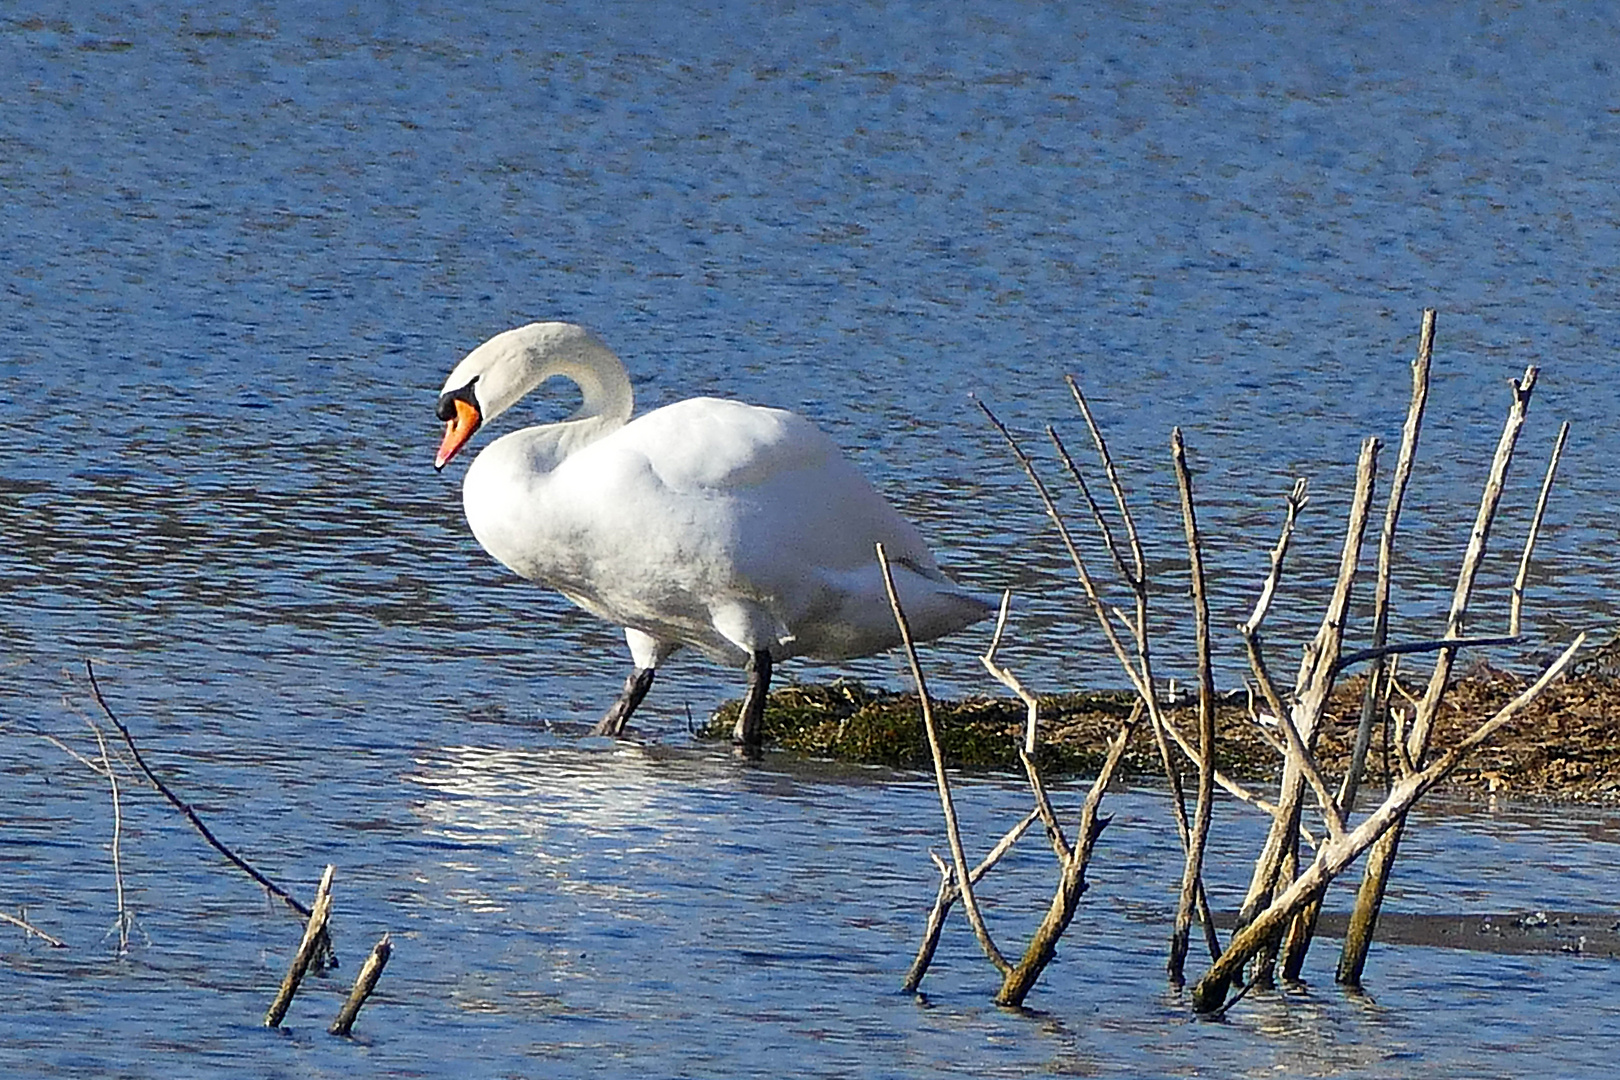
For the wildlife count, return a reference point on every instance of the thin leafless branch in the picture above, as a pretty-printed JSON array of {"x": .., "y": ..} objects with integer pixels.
[{"x": 953, "y": 831}]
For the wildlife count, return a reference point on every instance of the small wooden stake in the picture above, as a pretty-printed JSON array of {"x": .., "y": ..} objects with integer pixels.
[
  {"x": 364, "y": 984},
  {"x": 314, "y": 931}
]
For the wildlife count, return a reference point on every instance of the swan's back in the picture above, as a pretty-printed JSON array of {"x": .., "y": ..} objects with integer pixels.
[{"x": 710, "y": 521}]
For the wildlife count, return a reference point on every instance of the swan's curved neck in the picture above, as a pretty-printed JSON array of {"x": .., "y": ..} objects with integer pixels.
[{"x": 506, "y": 367}]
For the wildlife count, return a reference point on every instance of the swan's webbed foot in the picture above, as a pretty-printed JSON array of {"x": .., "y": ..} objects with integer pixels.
[
  {"x": 635, "y": 688},
  {"x": 751, "y": 717}
]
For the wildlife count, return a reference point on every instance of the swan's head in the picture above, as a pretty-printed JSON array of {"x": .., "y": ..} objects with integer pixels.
[{"x": 495, "y": 375}]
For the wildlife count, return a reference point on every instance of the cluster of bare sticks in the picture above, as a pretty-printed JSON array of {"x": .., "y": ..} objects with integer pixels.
[
  {"x": 1278, "y": 916},
  {"x": 314, "y": 951}
]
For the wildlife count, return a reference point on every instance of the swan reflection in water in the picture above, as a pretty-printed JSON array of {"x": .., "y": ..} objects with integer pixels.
[{"x": 505, "y": 815}]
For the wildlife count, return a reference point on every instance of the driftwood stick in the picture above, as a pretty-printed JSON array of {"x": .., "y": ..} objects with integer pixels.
[
  {"x": 29, "y": 928},
  {"x": 1381, "y": 859},
  {"x": 1411, "y": 430},
  {"x": 364, "y": 983},
  {"x": 314, "y": 933},
  {"x": 1296, "y": 500},
  {"x": 1210, "y": 991},
  {"x": 948, "y": 892},
  {"x": 1192, "y": 870},
  {"x": 1517, "y": 602},
  {"x": 125, "y": 919},
  {"x": 1032, "y": 719},
  {"x": 179, "y": 804},
  {"x": 953, "y": 831}
]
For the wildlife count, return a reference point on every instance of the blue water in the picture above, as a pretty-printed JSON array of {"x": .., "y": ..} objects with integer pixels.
[{"x": 240, "y": 250}]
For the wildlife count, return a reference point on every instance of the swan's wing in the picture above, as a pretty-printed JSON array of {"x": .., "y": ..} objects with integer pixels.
[{"x": 787, "y": 490}]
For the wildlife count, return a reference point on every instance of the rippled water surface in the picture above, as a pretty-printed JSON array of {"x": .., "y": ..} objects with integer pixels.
[{"x": 240, "y": 250}]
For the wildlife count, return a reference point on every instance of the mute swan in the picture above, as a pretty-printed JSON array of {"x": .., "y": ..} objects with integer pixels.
[{"x": 737, "y": 529}]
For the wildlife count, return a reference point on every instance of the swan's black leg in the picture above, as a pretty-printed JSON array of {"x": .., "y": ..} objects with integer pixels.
[
  {"x": 750, "y": 719},
  {"x": 635, "y": 688}
]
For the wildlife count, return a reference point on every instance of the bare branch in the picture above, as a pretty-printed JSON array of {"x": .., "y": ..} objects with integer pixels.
[
  {"x": 364, "y": 983},
  {"x": 1406, "y": 647},
  {"x": 1296, "y": 500},
  {"x": 125, "y": 919},
  {"x": 180, "y": 805},
  {"x": 1517, "y": 601},
  {"x": 1192, "y": 871},
  {"x": 1032, "y": 719},
  {"x": 1232, "y": 787},
  {"x": 1410, "y": 432},
  {"x": 1043, "y": 806},
  {"x": 1473, "y": 556},
  {"x": 1096, "y": 511},
  {"x": 1107, "y": 459},
  {"x": 1074, "y": 553},
  {"x": 314, "y": 935},
  {"x": 952, "y": 829},
  {"x": 29, "y": 928}
]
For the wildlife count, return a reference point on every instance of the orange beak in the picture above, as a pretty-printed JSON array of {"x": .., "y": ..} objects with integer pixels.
[{"x": 457, "y": 431}]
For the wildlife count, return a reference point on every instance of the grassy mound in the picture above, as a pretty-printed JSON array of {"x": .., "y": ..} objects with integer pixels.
[{"x": 1566, "y": 747}]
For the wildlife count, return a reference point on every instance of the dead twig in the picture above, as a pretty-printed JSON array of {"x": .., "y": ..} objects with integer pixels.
[
  {"x": 948, "y": 893},
  {"x": 185, "y": 808},
  {"x": 314, "y": 934},
  {"x": 1009, "y": 680},
  {"x": 953, "y": 831},
  {"x": 29, "y": 928},
  {"x": 1516, "y": 603},
  {"x": 364, "y": 983},
  {"x": 125, "y": 919}
]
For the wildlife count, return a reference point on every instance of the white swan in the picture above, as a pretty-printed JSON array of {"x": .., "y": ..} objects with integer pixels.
[{"x": 737, "y": 529}]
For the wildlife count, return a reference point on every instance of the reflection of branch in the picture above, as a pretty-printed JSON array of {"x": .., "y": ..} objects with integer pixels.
[
  {"x": 180, "y": 805},
  {"x": 952, "y": 831}
]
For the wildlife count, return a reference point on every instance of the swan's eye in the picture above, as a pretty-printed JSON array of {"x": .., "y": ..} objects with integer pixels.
[{"x": 446, "y": 410}]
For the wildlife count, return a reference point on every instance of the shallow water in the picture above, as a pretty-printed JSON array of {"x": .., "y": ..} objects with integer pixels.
[{"x": 241, "y": 251}]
